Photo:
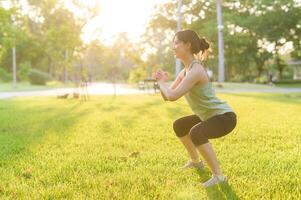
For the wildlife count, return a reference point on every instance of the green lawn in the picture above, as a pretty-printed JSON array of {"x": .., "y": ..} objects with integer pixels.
[
  {"x": 26, "y": 86},
  {"x": 230, "y": 85},
  {"x": 239, "y": 86},
  {"x": 125, "y": 148},
  {"x": 250, "y": 86},
  {"x": 289, "y": 85}
]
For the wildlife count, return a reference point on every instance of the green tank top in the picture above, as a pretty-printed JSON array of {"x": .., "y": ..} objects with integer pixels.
[{"x": 202, "y": 100}]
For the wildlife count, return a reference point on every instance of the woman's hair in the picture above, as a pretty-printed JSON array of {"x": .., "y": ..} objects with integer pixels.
[{"x": 197, "y": 44}]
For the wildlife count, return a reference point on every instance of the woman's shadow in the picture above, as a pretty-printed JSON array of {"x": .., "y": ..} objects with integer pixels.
[{"x": 221, "y": 191}]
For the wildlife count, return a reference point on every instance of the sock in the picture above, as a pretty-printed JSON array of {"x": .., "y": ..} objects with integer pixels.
[{"x": 220, "y": 176}]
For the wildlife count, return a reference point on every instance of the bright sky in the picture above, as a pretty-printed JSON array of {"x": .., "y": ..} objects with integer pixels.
[{"x": 116, "y": 16}]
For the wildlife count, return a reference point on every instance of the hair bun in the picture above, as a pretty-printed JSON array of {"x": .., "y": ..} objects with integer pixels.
[{"x": 204, "y": 44}]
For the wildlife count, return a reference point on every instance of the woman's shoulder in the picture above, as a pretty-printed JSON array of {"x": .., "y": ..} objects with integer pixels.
[
  {"x": 197, "y": 66},
  {"x": 199, "y": 70}
]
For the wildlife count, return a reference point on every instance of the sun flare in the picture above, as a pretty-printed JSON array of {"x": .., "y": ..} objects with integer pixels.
[{"x": 117, "y": 16}]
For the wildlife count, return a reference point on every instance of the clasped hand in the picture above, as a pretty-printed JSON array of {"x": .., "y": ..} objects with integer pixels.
[{"x": 160, "y": 75}]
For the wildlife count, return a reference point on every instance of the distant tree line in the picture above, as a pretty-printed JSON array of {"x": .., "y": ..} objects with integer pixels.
[{"x": 260, "y": 37}]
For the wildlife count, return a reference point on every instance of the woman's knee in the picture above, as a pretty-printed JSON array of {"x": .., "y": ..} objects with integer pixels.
[
  {"x": 179, "y": 128},
  {"x": 197, "y": 136}
]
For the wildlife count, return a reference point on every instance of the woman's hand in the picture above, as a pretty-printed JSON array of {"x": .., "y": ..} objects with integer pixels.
[{"x": 161, "y": 75}]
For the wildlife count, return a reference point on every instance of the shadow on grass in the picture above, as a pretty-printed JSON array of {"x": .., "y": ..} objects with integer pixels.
[{"x": 217, "y": 192}]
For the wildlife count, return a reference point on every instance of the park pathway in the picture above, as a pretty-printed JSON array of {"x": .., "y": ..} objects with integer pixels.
[{"x": 124, "y": 89}]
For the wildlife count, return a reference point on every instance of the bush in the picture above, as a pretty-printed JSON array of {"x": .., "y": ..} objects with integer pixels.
[
  {"x": 262, "y": 79},
  {"x": 4, "y": 75},
  {"x": 23, "y": 71},
  {"x": 37, "y": 77},
  {"x": 238, "y": 78}
]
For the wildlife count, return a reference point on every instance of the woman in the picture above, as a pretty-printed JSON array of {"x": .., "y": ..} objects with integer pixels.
[{"x": 212, "y": 117}]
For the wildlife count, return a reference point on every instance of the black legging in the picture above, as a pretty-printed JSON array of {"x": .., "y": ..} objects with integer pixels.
[{"x": 200, "y": 131}]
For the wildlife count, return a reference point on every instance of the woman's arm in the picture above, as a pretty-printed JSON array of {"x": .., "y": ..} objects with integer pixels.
[
  {"x": 164, "y": 97},
  {"x": 164, "y": 77},
  {"x": 175, "y": 83},
  {"x": 194, "y": 76},
  {"x": 178, "y": 80}
]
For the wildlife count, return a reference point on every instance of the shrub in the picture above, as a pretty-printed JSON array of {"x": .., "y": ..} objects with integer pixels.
[
  {"x": 23, "y": 71},
  {"x": 5, "y": 76},
  {"x": 238, "y": 78},
  {"x": 262, "y": 79},
  {"x": 37, "y": 77}
]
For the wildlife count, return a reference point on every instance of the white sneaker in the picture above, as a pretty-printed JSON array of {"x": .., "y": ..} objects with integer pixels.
[
  {"x": 215, "y": 179},
  {"x": 191, "y": 164}
]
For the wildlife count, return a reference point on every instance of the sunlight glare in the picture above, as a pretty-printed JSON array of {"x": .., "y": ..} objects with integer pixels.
[{"x": 117, "y": 16}]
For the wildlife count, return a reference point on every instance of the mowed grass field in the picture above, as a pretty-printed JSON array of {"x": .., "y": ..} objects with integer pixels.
[{"x": 125, "y": 148}]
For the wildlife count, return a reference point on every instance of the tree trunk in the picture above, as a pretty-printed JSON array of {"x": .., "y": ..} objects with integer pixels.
[{"x": 50, "y": 68}]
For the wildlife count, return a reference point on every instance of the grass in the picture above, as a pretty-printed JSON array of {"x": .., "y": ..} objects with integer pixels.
[
  {"x": 26, "y": 86},
  {"x": 289, "y": 85},
  {"x": 232, "y": 85},
  {"x": 125, "y": 148},
  {"x": 239, "y": 86},
  {"x": 256, "y": 86}
]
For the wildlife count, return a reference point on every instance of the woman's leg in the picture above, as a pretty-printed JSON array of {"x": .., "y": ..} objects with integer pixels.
[
  {"x": 191, "y": 149},
  {"x": 209, "y": 156},
  {"x": 182, "y": 127},
  {"x": 214, "y": 127}
]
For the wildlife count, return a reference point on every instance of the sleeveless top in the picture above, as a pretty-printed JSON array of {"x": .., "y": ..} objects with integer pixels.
[{"x": 202, "y": 100}]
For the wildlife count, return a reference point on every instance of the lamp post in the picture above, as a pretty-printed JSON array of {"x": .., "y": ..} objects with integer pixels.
[
  {"x": 221, "y": 67},
  {"x": 14, "y": 54},
  {"x": 179, "y": 21}
]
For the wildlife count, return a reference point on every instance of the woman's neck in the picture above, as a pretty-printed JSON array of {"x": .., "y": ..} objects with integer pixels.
[{"x": 187, "y": 60}]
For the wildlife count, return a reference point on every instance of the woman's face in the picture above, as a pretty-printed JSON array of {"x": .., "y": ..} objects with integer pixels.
[{"x": 181, "y": 49}]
